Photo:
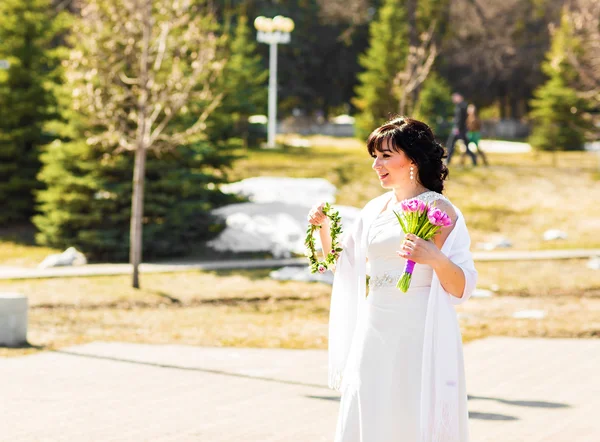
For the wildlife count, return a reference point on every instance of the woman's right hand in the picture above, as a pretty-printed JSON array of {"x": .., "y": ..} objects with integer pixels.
[{"x": 316, "y": 217}]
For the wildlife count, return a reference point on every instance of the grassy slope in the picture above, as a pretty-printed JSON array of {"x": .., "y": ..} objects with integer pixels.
[
  {"x": 247, "y": 308},
  {"x": 519, "y": 196}
]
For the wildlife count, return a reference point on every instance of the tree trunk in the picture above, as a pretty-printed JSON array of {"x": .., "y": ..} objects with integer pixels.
[
  {"x": 411, "y": 18},
  {"x": 402, "y": 107},
  {"x": 142, "y": 141},
  {"x": 137, "y": 212},
  {"x": 413, "y": 41}
]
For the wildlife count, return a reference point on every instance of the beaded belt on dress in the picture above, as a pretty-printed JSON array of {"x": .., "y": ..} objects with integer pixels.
[{"x": 384, "y": 280}]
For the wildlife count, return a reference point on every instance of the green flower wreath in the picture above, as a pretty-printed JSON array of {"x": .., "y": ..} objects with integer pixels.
[{"x": 330, "y": 259}]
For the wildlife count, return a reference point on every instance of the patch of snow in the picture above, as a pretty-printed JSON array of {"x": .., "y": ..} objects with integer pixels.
[
  {"x": 275, "y": 227},
  {"x": 502, "y": 146},
  {"x": 274, "y": 220},
  {"x": 594, "y": 263},
  {"x": 554, "y": 234},
  {"x": 592, "y": 147},
  {"x": 70, "y": 257},
  {"x": 495, "y": 243},
  {"x": 291, "y": 273},
  {"x": 301, "y": 191},
  {"x": 343, "y": 119}
]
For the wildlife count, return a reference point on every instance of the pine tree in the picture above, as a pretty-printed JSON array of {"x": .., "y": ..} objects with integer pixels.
[
  {"x": 557, "y": 109},
  {"x": 89, "y": 171},
  {"x": 243, "y": 84},
  {"x": 87, "y": 203},
  {"x": 435, "y": 105},
  {"x": 28, "y": 31},
  {"x": 382, "y": 61}
]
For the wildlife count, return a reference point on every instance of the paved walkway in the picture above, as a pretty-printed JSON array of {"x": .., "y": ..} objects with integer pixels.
[
  {"x": 532, "y": 390},
  {"x": 125, "y": 269},
  {"x": 503, "y": 146}
]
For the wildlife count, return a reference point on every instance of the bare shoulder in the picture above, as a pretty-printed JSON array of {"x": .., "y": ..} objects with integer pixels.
[{"x": 446, "y": 206}]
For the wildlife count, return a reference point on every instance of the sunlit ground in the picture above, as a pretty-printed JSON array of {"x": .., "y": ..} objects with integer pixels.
[
  {"x": 246, "y": 308},
  {"x": 518, "y": 197}
]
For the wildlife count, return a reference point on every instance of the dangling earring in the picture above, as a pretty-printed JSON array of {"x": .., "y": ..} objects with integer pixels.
[{"x": 412, "y": 173}]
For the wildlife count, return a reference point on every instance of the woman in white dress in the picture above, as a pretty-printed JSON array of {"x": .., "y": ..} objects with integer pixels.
[{"x": 397, "y": 357}]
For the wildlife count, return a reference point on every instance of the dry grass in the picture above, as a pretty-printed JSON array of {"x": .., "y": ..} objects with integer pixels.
[
  {"x": 522, "y": 196},
  {"x": 233, "y": 308},
  {"x": 19, "y": 255},
  {"x": 519, "y": 196},
  {"x": 213, "y": 308},
  {"x": 540, "y": 278},
  {"x": 566, "y": 317}
]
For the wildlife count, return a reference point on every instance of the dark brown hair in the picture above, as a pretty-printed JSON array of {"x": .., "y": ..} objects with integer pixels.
[{"x": 417, "y": 141}]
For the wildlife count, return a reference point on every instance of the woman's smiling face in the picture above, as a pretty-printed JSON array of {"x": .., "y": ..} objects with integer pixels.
[{"x": 392, "y": 167}]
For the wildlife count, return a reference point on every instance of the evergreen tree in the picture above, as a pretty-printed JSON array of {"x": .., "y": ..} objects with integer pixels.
[
  {"x": 28, "y": 30},
  {"x": 87, "y": 203},
  {"x": 243, "y": 84},
  {"x": 317, "y": 70},
  {"x": 435, "y": 105},
  {"x": 88, "y": 200},
  {"x": 557, "y": 109},
  {"x": 382, "y": 61}
]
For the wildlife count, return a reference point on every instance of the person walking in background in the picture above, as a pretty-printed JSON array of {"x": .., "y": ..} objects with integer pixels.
[
  {"x": 474, "y": 133},
  {"x": 459, "y": 128}
]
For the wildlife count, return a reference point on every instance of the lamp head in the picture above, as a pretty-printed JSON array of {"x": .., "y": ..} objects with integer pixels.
[
  {"x": 288, "y": 25},
  {"x": 279, "y": 23},
  {"x": 263, "y": 24}
]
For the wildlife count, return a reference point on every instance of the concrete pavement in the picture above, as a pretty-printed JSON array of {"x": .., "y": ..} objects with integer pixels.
[
  {"x": 534, "y": 390},
  {"x": 125, "y": 269},
  {"x": 503, "y": 146}
]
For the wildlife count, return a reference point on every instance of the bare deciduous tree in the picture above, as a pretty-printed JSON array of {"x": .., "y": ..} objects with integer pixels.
[
  {"x": 584, "y": 18},
  {"x": 345, "y": 11},
  {"x": 494, "y": 49},
  {"x": 143, "y": 74},
  {"x": 419, "y": 62}
]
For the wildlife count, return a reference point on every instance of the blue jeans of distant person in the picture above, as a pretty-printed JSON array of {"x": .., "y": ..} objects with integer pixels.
[{"x": 459, "y": 135}]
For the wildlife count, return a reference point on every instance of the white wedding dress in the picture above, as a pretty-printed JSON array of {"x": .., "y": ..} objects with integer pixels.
[{"x": 381, "y": 387}]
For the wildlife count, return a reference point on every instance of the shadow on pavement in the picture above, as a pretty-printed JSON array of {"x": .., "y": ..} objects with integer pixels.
[
  {"x": 25, "y": 346},
  {"x": 472, "y": 414},
  {"x": 197, "y": 369},
  {"x": 325, "y": 398},
  {"x": 540, "y": 404},
  {"x": 491, "y": 416}
]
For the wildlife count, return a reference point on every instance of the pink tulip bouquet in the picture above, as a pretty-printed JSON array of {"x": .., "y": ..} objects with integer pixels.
[{"x": 422, "y": 220}]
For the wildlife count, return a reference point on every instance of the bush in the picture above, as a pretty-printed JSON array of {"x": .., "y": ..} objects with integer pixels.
[
  {"x": 557, "y": 109},
  {"x": 88, "y": 201}
]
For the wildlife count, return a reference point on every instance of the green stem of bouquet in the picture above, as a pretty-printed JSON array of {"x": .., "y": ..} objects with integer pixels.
[
  {"x": 422, "y": 227},
  {"x": 404, "y": 282}
]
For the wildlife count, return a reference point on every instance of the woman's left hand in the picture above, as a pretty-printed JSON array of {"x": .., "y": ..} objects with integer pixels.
[{"x": 419, "y": 250}]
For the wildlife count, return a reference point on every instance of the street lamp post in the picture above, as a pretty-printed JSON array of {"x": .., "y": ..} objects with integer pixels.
[{"x": 273, "y": 31}]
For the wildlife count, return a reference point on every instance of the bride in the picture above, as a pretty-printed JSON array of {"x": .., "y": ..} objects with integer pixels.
[{"x": 397, "y": 357}]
